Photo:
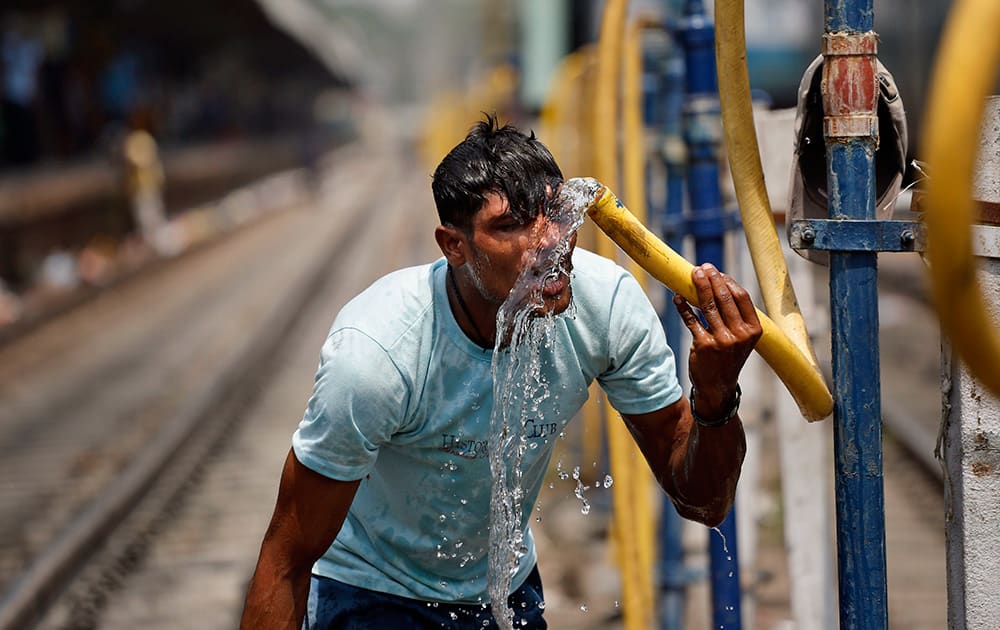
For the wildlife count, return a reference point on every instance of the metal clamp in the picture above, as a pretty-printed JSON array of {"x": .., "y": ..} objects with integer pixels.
[
  {"x": 847, "y": 43},
  {"x": 852, "y": 235}
]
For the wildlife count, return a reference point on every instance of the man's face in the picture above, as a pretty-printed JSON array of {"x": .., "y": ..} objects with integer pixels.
[{"x": 501, "y": 247}]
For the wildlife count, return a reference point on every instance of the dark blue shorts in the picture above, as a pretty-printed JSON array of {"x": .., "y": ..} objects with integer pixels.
[{"x": 337, "y": 606}]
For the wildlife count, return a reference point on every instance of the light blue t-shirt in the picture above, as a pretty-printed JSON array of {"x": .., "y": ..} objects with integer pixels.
[{"x": 402, "y": 400}]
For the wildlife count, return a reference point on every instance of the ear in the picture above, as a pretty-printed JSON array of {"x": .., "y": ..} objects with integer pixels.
[{"x": 451, "y": 240}]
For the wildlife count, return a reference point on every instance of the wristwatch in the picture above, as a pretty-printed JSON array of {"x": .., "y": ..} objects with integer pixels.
[{"x": 722, "y": 420}]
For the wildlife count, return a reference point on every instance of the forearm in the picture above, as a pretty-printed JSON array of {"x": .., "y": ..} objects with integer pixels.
[
  {"x": 697, "y": 466},
  {"x": 704, "y": 470},
  {"x": 276, "y": 597},
  {"x": 307, "y": 516}
]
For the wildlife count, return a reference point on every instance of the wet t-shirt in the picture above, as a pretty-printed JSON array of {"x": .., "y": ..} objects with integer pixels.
[{"x": 402, "y": 401}]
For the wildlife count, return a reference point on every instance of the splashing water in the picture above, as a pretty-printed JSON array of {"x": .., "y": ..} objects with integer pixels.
[{"x": 519, "y": 384}]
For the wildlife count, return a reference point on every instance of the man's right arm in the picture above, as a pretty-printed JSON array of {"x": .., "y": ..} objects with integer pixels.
[{"x": 308, "y": 514}]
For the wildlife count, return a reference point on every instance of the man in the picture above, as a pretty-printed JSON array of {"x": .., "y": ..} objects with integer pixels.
[{"x": 383, "y": 505}]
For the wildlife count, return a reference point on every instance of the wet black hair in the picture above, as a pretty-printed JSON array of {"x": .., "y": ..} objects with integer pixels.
[{"x": 493, "y": 159}]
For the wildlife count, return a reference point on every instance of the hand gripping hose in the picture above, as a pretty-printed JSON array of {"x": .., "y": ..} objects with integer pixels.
[
  {"x": 800, "y": 376},
  {"x": 748, "y": 177},
  {"x": 964, "y": 74}
]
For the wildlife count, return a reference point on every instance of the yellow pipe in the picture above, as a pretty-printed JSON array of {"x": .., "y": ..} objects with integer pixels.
[
  {"x": 748, "y": 177},
  {"x": 964, "y": 74},
  {"x": 605, "y": 117},
  {"x": 558, "y": 117},
  {"x": 634, "y": 176},
  {"x": 604, "y": 123},
  {"x": 585, "y": 112},
  {"x": 566, "y": 137},
  {"x": 803, "y": 381},
  {"x": 559, "y": 120},
  {"x": 630, "y": 525},
  {"x": 636, "y": 610},
  {"x": 593, "y": 431},
  {"x": 634, "y": 149}
]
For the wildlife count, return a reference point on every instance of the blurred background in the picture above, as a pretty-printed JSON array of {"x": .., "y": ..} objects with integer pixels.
[
  {"x": 180, "y": 180},
  {"x": 296, "y": 76}
]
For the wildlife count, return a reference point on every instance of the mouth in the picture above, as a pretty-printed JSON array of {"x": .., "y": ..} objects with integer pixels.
[
  {"x": 554, "y": 283},
  {"x": 554, "y": 286}
]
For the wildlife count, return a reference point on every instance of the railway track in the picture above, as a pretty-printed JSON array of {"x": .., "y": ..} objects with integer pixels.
[{"x": 124, "y": 397}]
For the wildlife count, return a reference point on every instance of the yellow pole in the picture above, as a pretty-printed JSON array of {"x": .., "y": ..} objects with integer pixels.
[
  {"x": 634, "y": 176},
  {"x": 604, "y": 125},
  {"x": 964, "y": 74},
  {"x": 558, "y": 118},
  {"x": 637, "y": 612},
  {"x": 567, "y": 139}
]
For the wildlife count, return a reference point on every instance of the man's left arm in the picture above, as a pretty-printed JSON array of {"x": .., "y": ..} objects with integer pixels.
[{"x": 698, "y": 462}]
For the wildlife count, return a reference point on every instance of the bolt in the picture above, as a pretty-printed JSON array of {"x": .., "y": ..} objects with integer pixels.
[{"x": 808, "y": 235}]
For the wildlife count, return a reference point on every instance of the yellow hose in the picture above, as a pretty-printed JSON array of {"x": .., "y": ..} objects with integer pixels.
[
  {"x": 804, "y": 382},
  {"x": 637, "y": 611},
  {"x": 964, "y": 74},
  {"x": 748, "y": 177}
]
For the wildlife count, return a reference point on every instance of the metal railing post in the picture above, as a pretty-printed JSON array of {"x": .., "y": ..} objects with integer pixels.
[
  {"x": 703, "y": 134},
  {"x": 674, "y": 576},
  {"x": 850, "y": 93}
]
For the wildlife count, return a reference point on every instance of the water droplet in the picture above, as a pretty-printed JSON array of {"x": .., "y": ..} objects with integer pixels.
[
  {"x": 454, "y": 616},
  {"x": 608, "y": 481},
  {"x": 442, "y": 518},
  {"x": 584, "y": 608},
  {"x": 541, "y": 605},
  {"x": 617, "y": 604}
]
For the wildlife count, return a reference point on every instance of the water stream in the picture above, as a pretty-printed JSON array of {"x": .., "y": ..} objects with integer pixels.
[{"x": 520, "y": 386}]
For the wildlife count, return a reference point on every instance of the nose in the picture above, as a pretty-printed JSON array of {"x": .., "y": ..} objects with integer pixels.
[{"x": 551, "y": 232}]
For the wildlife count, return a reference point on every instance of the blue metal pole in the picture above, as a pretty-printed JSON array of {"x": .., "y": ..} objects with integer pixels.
[
  {"x": 703, "y": 132},
  {"x": 674, "y": 575},
  {"x": 850, "y": 127}
]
